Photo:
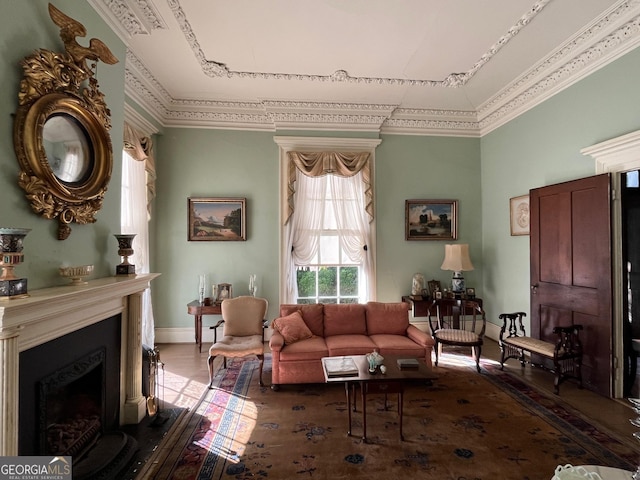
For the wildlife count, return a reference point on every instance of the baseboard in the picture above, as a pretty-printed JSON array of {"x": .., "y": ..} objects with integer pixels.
[
  {"x": 181, "y": 335},
  {"x": 493, "y": 331}
]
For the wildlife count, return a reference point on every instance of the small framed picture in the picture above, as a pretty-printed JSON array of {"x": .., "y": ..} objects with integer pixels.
[
  {"x": 438, "y": 295},
  {"x": 434, "y": 287},
  {"x": 519, "y": 211},
  {"x": 225, "y": 290},
  {"x": 217, "y": 219},
  {"x": 471, "y": 292}
]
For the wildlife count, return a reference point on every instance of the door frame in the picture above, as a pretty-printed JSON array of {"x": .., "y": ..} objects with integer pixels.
[{"x": 616, "y": 156}]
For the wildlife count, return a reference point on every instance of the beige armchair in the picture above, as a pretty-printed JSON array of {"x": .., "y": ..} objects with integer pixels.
[{"x": 243, "y": 321}]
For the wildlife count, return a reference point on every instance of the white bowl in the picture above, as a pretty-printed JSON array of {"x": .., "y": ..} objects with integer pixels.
[{"x": 76, "y": 274}]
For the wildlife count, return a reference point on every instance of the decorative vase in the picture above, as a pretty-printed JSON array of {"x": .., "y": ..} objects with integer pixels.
[
  {"x": 11, "y": 245},
  {"x": 125, "y": 250},
  {"x": 202, "y": 285},
  {"x": 417, "y": 284},
  {"x": 375, "y": 360},
  {"x": 253, "y": 287}
]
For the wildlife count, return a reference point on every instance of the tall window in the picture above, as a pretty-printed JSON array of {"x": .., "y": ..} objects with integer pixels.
[
  {"x": 134, "y": 218},
  {"x": 327, "y": 211},
  {"x": 333, "y": 273}
]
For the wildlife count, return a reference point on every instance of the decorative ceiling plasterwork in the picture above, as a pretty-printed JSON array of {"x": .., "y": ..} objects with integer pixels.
[
  {"x": 605, "y": 40},
  {"x": 129, "y": 19},
  {"x": 217, "y": 69}
]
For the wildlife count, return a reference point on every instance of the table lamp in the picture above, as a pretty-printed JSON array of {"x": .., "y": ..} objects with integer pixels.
[{"x": 456, "y": 259}]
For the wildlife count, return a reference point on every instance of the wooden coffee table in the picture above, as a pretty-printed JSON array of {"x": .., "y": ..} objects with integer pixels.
[{"x": 392, "y": 381}]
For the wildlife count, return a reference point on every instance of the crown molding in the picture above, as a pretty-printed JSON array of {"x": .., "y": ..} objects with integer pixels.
[
  {"x": 129, "y": 18},
  {"x": 452, "y": 123},
  {"x": 618, "y": 154},
  {"x": 327, "y": 116},
  {"x": 138, "y": 121},
  {"x": 612, "y": 35}
]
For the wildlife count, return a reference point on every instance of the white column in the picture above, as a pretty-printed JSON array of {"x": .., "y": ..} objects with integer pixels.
[
  {"x": 9, "y": 370},
  {"x": 135, "y": 406}
]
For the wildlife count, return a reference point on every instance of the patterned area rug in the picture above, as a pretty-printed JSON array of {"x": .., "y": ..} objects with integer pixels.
[{"x": 463, "y": 426}]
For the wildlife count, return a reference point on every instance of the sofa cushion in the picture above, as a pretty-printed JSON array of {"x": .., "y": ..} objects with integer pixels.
[
  {"x": 312, "y": 315},
  {"x": 389, "y": 318},
  {"x": 344, "y": 319},
  {"x": 398, "y": 345},
  {"x": 310, "y": 349},
  {"x": 339, "y": 345},
  {"x": 292, "y": 328}
]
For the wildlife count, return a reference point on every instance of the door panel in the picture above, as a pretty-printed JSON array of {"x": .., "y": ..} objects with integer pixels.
[
  {"x": 555, "y": 269},
  {"x": 585, "y": 271},
  {"x": 592, "y": 343},
  {"x": 553, "y": 316},
  {"x": 571, "y": 270}
]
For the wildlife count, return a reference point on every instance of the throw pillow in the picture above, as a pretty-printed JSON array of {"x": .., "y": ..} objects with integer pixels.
[{"x": 292, "y": 328}]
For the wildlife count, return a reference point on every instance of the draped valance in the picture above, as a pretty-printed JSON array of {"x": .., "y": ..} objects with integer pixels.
[
  {"x": 140, "y": 148},
  {"x": 317, "y": 164}
]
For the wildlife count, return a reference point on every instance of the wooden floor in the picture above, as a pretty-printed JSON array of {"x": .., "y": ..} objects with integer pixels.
[{"x": 185, "y": 376}]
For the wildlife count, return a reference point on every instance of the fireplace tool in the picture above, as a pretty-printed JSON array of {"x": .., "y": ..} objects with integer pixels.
[{"x": 154, "y": 399}]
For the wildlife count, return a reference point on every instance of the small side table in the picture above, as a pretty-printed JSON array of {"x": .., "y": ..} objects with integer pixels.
[
  {"x": 198, "y": 310},
  {"x": 448, "y": 307}
]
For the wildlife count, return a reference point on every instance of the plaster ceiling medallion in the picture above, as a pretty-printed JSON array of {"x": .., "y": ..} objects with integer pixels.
[{"x": 434, "y": 66}]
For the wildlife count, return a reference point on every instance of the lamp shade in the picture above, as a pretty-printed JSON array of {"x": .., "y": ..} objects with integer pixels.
[{"x": 456, "y": 258}]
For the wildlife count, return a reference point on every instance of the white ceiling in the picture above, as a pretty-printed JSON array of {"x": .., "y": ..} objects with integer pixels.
[{"x": 445, "y": 67}]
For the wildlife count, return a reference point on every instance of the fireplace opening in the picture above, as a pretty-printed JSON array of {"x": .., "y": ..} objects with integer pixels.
[
  {"x": 70, "y": 401},
  {"x": 71, "y": 406}
]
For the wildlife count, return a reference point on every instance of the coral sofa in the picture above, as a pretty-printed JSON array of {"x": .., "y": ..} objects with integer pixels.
[{"x": 303, "y": 334}]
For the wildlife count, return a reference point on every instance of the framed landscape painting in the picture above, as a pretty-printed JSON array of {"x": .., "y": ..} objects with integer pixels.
[
  {"x": 217, "y": 219},
  {"x": 431, "y": 220}
]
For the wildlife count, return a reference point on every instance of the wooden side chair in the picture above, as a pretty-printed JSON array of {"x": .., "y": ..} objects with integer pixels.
[
  {"x": 243, "y": 320},
  {"x": 458, "y": 322}
]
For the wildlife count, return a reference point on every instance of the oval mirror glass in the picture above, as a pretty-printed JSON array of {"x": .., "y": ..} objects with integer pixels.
[{"x": 67, "y": 149}]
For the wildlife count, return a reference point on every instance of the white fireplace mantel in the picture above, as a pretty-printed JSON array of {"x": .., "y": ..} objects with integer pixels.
[{"x": 51, "y": 313}]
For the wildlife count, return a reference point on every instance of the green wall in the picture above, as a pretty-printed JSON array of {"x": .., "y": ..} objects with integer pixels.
[
  {"x": 27, "y": 27},
  {"x": 542, "y": 147},
  {"x": 224, "y": 163},
  {"x": 420, "y": 167},
  {"x": 214, "y": 163}
]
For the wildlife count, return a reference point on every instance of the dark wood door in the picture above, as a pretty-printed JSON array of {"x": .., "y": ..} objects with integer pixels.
[{"x": 570, "y": 237}]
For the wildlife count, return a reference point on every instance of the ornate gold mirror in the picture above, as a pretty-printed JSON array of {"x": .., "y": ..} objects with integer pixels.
[{"x": 61, "y": 130}]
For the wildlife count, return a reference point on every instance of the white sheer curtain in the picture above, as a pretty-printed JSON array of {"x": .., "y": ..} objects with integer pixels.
[
  {"x": 135, "y": 219},
  {"x": 352, "y": 222}
]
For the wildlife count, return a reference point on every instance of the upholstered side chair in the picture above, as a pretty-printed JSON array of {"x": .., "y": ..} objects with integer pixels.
[
  {"x": 458, "y": 322},
  {"x": 243, "y": 320}
]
